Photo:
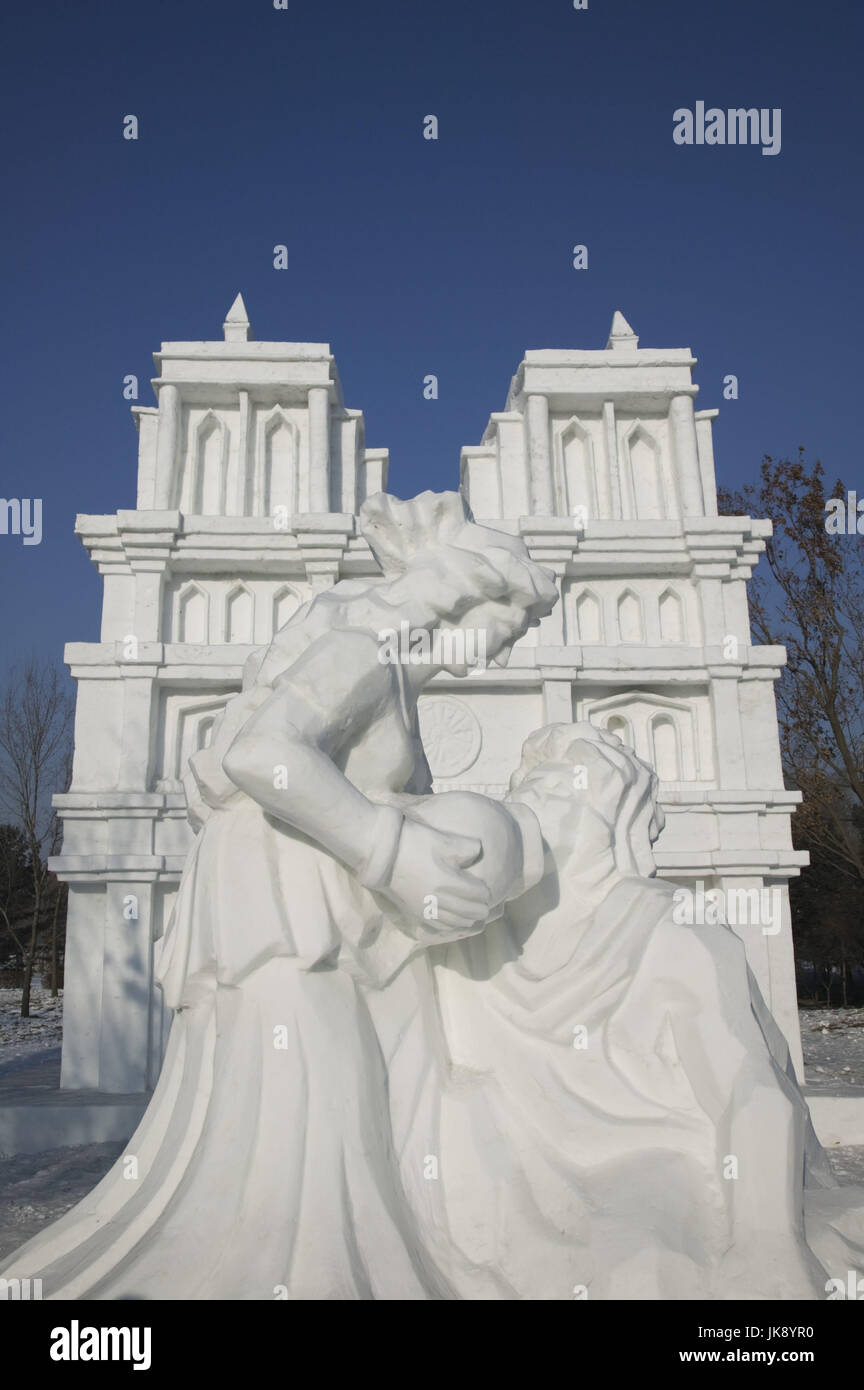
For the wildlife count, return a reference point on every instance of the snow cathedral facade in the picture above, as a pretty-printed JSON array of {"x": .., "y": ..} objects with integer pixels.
[{"x": 251, "y": 471}]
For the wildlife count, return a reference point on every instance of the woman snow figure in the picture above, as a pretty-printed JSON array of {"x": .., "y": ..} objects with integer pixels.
[
  {"x": 623, "y": 1119},
  {"x": 264, "y": 1166}
]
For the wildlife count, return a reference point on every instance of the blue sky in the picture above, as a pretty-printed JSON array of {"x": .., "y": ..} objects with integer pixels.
[{"x": 408, "y": 256}]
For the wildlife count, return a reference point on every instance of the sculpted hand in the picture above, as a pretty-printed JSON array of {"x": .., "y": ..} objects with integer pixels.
[{"x": 429, "y": 881}]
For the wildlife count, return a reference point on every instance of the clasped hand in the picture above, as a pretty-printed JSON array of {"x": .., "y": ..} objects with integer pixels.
[{"x": 429, "y": 880}]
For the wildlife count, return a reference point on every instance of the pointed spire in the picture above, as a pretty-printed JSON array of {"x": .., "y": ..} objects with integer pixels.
[
  {"x": 236, "y": 325},
  {"x": 621, "y": 335}
]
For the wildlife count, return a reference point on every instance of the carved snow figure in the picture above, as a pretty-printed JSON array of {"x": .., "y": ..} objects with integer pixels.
[
  {"x": 436, "y": 1046},
  {"x": 620, "y": 1116},
  {"x": 265, "y": 1162}
]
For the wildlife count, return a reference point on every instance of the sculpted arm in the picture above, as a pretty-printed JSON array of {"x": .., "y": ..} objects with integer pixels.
[
  {"x": 283, "y": 756},
  {"x": 283, "y": 759}
]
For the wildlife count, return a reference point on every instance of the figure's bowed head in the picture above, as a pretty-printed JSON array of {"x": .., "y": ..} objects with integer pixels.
[{"x": 454, "y": 577}]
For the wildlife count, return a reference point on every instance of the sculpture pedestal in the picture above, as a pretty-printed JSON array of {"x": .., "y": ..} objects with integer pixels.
[{"x": 36, "y": 1115}]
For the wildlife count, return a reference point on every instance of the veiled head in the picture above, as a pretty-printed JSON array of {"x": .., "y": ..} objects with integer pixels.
[{"x": 590, "y": 792}]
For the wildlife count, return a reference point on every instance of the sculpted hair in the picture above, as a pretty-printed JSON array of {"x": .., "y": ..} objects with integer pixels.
[
  {"x": 400, "y": 534},
  {"x": 434, "y": 534}
]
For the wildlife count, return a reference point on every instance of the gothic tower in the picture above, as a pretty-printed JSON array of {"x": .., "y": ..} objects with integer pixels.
[{"x": 250, "y": 474}]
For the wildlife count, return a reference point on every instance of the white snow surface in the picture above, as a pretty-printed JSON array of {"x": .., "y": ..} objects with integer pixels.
[
  {"x": 36, "y": 1189},
  {"x": 24, "y": 1037}
]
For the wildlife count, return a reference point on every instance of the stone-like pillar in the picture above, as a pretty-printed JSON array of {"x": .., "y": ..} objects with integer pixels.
[
  {"x": 728, "y": 740},
  {"x": 761, "y": 747},
  {"x": 682, "y": 424},
  {"x": 322, "y": 574},
  {"x": 351, "y": 460},
  {"x": 166, "y": 446},
  {"x": 710, "y": 593},
  {"x": 736, "y": 609},
  {"x": 557, "y": 702},
  {"x": 319, "y": 449},
  {"x": 107, "y": 1043},
  {"x": 374, "y": 464},
  {"x": 82, "y": 987},
  {"x": 98, "y": 731},
  {"x": 118, "y": 602},
  {"x": 705, "y": 443},
  {"x": 138, "y": 719},
  {"x": 539, "y": 456},
  {"x": 245, "y": 483},
  {"x": 125, "y": 1023},
  {"x": 149, "y": 579},
  {"x": 550, "y": 633},
  {"x": 613, "y": 472},
  {"x": 147, "y": 420}
]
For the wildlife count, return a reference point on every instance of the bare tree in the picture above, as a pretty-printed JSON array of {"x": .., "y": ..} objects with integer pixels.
[
  {"x": 61, "y": 895},
  {"x": 35, "y": 731},
  {"x": 15, "y": 884},
  {"x": 813, "y": 604}
]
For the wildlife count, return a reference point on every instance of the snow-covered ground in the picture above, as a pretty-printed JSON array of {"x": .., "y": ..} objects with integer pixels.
[
  {"x": 833, "y": 1041},
  {"x": 24, "y": 1037},
  {"x": 37, "y": 1188}
]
